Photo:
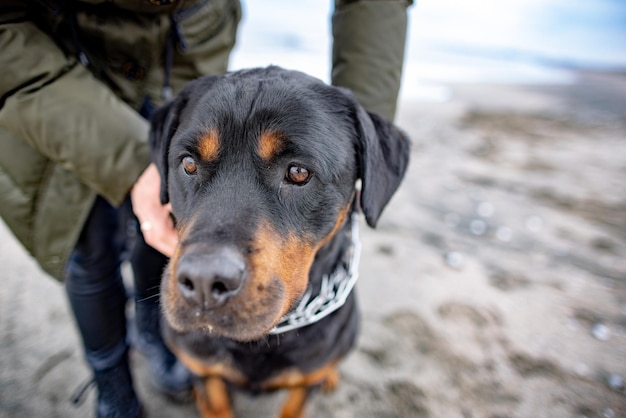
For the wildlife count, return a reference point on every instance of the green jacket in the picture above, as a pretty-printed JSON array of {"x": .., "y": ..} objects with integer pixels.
[{"x": 77, "y": 73}]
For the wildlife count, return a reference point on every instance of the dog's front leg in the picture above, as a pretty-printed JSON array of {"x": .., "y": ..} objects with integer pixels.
[
  {"x": 301, "y": 385},
  {"x": 212, "y": 398},
  {"x": 296, "y": 400}
]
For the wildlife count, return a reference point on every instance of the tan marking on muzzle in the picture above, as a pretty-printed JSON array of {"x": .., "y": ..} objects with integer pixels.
[
  {"x": 172, "y": 298},
  {"x": 338, "y": 224},
  {"x": 287, "y": 258}
]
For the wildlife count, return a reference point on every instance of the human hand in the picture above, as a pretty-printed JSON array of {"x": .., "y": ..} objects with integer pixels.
[{"x": 154, "y": 218}]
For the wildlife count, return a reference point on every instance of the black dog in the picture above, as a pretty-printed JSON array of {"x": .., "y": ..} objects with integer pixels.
[{"x": 260, "y": 166}]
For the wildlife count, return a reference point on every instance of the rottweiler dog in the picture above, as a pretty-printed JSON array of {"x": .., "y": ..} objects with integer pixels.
[{"x": 262, "y": 168}]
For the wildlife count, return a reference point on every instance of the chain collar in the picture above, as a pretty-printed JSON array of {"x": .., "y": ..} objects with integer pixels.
[{"x": 334, "y": 291}]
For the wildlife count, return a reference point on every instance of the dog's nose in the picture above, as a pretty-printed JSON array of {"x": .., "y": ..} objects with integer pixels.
[{"x": 210, "y": 279}]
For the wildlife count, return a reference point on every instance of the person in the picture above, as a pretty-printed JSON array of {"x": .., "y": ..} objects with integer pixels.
[{"x": 80, "y": 79}]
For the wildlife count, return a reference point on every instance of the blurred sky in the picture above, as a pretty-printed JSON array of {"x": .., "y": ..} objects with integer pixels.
[{"x": 451, "y": 41}]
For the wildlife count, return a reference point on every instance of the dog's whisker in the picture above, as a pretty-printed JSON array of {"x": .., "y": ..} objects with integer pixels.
[{"x": 149, "y": 297}]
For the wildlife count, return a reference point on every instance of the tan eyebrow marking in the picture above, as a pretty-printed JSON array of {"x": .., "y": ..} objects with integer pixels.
[
  {"x": 209, "y": 145},
  {"x": 270, "y": 144}
]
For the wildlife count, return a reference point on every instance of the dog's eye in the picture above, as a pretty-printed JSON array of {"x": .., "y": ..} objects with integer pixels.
[
  {"x": 190, "y": 166},
  {"x": 298, "y": 175}
]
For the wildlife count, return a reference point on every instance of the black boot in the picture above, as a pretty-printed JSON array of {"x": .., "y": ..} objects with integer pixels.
[
  {"x": 168, "y": 375},
  {"x": 116, "y": 396}
]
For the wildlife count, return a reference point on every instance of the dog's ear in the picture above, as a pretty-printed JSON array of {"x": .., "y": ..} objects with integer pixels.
[
  {"x": 163, "y": 124},
  {"x": 383, "y": 152}
]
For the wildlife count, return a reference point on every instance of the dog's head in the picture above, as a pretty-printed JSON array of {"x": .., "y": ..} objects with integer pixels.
[{"x": 260, "y": 167}]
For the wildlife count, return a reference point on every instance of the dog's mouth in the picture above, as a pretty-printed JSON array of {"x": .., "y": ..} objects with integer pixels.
[
  {"x": 222, "y": 292},
  {"x": 245, "y": 314}
]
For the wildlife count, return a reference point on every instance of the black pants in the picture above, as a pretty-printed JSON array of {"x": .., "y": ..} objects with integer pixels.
[{"x": 94, "y": 283}]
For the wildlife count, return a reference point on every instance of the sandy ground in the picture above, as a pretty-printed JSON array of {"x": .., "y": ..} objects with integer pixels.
[{"x": 495, "y": 285}]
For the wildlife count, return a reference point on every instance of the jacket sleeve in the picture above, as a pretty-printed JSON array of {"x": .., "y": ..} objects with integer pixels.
[
  {"x": 369, "y": 38},
  {"x": 56, "y": 106}
]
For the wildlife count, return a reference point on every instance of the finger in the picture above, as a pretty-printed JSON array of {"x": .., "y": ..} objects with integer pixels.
[{"x": 165, "y": 243}]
